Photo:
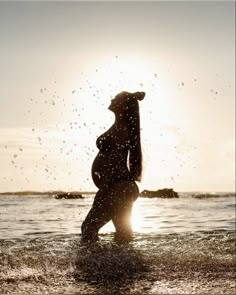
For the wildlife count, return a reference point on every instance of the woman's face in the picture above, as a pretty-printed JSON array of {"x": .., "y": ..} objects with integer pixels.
[{"x": 117, "y": 104}]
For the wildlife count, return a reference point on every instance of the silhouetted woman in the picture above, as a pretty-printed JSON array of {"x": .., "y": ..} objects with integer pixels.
[{"x": 116, "y": 168}]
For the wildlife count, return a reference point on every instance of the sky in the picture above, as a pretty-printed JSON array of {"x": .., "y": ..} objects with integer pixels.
[{"x": 62, "y": 62}]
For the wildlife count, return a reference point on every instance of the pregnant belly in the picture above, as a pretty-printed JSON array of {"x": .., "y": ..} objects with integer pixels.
[{"x": 106, "y": 169}]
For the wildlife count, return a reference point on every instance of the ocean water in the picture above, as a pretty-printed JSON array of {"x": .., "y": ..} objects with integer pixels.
[{"x": 184, "y": 245}]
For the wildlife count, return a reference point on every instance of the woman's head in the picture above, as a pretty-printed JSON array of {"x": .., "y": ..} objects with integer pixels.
[
  {"x": 126, "y": 102},
  {"x": 126, "y": 106}
]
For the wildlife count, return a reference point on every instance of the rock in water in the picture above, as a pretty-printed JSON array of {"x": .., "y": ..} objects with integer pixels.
[
  {"x": 68, "y": 196},
  {"x": 161, "y": 193}
]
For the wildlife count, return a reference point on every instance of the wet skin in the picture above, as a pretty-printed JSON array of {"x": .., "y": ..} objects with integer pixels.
[
  {"x": 110, "y": 164},
  {"x": 110, "y": 173}
]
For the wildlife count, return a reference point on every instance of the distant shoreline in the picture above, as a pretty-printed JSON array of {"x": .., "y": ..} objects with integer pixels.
[{"x": 25, "y": 193}]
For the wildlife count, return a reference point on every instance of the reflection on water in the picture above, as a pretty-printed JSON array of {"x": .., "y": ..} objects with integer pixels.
[{"x": 110, "y": 266}]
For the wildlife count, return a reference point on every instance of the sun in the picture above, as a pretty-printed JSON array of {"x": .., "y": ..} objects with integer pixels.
[
  {"x": 103, "y": 79},
  {"x": 121, "y": 73}
]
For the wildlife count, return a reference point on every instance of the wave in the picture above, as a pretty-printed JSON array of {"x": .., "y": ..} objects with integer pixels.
[
  {"x": 62, "y": 263},
  {"x": 212, "y": 195}
]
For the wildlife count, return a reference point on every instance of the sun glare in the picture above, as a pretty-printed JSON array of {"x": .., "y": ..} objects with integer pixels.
[
  {"x": 137, "y": 220},
  {"x": 137, "y": 217},
  {"x": 128, "y": 73},
  {"x": 106, "y": 77}
]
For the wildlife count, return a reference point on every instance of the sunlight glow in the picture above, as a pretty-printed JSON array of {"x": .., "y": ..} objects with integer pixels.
[
  {"x": 137, "y": 217},
  {"x": 137, "y": 220},
  {"x": 109, "y": 76},
  {"x": 122, "y": 73}
]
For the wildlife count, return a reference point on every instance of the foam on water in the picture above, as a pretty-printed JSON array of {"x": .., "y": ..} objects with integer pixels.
[
  {"x": 62, "y": 263},
  {"x": 184, "y": 243}
]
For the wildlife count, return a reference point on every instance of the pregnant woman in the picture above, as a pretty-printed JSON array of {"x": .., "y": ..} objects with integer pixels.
[{"x": 115, "y": 169}]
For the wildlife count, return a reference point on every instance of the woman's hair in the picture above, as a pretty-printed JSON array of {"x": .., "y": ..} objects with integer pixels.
[{"x": 133, "y": 122}]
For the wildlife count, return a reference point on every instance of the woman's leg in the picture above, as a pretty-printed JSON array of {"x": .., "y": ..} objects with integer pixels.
[
  {"x": 111, "y": 202},
  {"x": 122, "y": 223},
  {"x": 97, "y": 217},
  {"x": 125, "y": 193}
]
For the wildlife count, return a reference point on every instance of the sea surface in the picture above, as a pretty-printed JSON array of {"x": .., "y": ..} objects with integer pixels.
[{"x": 182, "y": 245}]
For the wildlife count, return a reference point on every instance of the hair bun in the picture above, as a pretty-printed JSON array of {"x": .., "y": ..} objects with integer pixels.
[{"x": 140, "y": 95}]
